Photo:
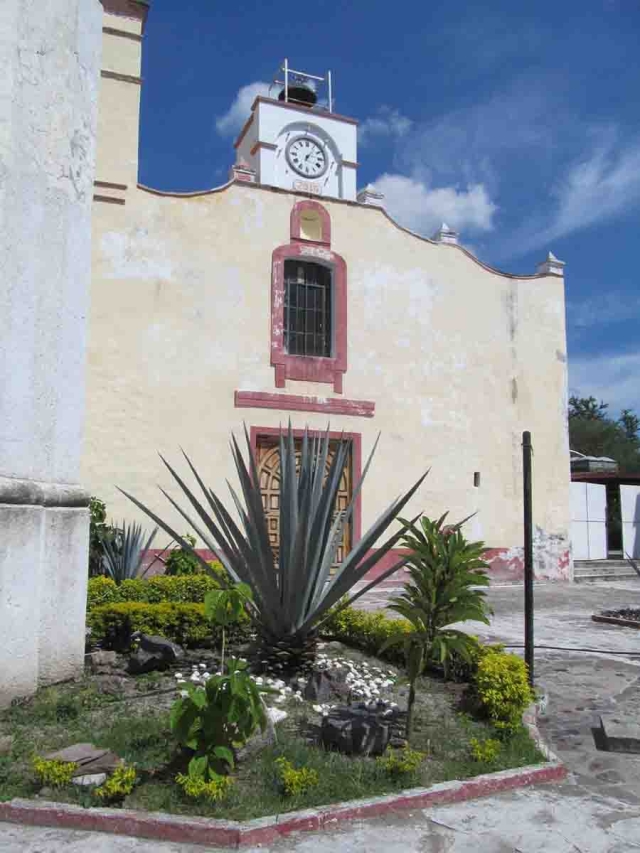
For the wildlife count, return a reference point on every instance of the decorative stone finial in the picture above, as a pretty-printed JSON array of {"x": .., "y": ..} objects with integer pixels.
[
  {"x": 370, "y": 195},
  {"x": 243, "y": 172},
  {"x": 444, "y": 234},
  {"x": 550, "y": 266}
]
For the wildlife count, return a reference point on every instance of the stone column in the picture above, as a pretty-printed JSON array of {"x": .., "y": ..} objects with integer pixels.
[{"x": 50, "y": 60}]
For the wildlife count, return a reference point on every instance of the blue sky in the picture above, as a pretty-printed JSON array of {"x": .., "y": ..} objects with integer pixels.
[{"x": 516, "y": 123}]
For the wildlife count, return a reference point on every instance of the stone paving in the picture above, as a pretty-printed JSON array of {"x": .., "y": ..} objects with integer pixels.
[{"x": 597, "y": 810}]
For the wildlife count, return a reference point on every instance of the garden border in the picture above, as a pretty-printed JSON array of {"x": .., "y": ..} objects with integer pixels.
[{"x": 239, "y": 834}]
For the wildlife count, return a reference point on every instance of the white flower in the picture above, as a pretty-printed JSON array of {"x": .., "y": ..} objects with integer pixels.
[
  {"x": 184, "y": 694},
  {"x": 317, "y": 708},
  {"x": 202, "y": 666},
  {"x": 178, "y": 675},
  {"x": 206, "y": 675}
]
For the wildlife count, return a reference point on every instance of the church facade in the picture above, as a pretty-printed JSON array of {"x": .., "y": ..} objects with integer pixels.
[{"x": 287, "y": 295}]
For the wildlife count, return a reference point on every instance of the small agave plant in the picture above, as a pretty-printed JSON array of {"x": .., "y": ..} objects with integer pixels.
[
  {"x": 123, "y": 554},
  {"x": 293, "y": 596}
]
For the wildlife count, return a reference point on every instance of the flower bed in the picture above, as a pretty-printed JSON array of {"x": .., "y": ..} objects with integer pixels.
[{"x": 131, "y": 717}]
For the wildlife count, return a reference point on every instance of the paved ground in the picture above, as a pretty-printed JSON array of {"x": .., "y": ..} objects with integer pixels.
[{"x": 597, "y": 810}]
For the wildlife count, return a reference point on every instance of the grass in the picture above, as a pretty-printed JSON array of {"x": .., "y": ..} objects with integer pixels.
[{"x": 137, "y": 729}]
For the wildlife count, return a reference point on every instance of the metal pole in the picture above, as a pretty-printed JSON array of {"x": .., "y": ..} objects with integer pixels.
[
  {"x": 286, "y": 80},
  {"x": 528, "y": 552},
  {"x": 330, "y": 91}
]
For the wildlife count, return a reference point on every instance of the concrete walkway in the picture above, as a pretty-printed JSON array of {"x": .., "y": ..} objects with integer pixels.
[{"x": 597, "y": 810}]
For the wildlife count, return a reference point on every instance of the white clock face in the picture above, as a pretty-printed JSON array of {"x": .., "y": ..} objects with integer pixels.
[{"x": 306, "y": 157}]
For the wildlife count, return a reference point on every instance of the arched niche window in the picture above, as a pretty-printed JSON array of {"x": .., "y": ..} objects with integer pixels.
[{"x": 309, "y": 302}]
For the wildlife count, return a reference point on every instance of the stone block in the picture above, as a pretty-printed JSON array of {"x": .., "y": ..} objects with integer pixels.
[
  {"x": 619, "y": 735},
  {"x": 89, "y": 759}
]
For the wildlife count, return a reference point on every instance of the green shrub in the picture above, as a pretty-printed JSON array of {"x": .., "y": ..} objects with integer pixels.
[
  {"x": 295, "y": 781},
  {"x": 485, "y": 751},
  {"x": 187, "y": 624},
  {"x": 400, "y": 762},
  {"x": 121, "y": 783},
  {"x": 366, "y": 631},
  {"x": 52, "y": 772},
  {"x": 502, "y": 688},
  {"x": 182, "y": 562},
  {"x": 188, "y": 589},
  {"x": 102, "y": 590},
  {"x": 196, "y": 788}
]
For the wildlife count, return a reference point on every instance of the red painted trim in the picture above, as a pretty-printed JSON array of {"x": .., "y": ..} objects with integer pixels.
[
  {"x": 238, "y": 834},
  {"x": 296, "y": 403},
  {"x": 295, "y": 222},
  {"x": 256, "y": 433},
  {"x": 309, "y": 368}
]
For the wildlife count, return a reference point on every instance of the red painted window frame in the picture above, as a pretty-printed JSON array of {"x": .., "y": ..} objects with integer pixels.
[
  {"x": 301, "y": 367},
  {"x": 256, "y": 433}
]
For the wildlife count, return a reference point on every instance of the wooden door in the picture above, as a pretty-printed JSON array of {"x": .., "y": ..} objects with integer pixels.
[{"x": 268, "y": 462}]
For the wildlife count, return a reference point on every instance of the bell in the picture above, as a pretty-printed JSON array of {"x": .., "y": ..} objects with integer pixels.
[{"x": 300, "y": 94}]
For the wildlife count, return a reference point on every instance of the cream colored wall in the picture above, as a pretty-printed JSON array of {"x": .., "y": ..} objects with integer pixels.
[
  {"x": 118, "y": 117},
  {"x": 458, "y": 359}
]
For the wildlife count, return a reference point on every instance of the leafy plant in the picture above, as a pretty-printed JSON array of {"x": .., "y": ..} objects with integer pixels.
[
  {"x": 445, "y": 574},
  {"x": 121, "y": 783},
  {"x": 99, "y": 532},
  {"x": 213, "y": 719},
  {"x": 293, "y": 598},
  {"x": 197, "y": 788},
  {"x": 225, "y": 607},
  {"x": 122, "y": 556},
  {"x": 295, "y": 781},
  {"x": 502, "y": 684},
  {"x": 485, "y": 751},
  {"x": 53, "y": 772},
  {"x": 182, "y": 562},
  {"x": 401, "y": 762}
]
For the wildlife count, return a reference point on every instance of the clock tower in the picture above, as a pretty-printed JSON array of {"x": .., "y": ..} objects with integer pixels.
[{"x": 296, "y": 141}]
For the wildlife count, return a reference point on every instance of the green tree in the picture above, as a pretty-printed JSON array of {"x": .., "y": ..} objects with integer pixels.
[{"x": 594, "y": 433}]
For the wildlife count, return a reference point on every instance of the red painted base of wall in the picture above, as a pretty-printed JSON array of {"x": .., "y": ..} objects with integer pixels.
[{"x": 506, "y": 565}]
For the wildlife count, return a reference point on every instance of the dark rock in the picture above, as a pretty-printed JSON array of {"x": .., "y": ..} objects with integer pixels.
[
  {"x": 327, "y": 684},
  {"x": 159, "y": 646},
  {"x": 361, "y": 729},
  {"x": 154, "y": 654},
  {"x": 89, "y": 759}
]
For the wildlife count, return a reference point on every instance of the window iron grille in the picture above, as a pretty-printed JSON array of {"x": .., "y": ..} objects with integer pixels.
[{"x": 307, "y": 309}]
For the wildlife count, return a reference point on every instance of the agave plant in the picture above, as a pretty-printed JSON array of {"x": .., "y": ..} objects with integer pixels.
[
  {"x": 122, "y": 554},
  {"x": 446, "y": 576},
  {"x": 291, "y": 597}
]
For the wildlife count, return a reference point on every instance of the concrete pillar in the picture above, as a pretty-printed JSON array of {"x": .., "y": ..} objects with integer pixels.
[{"x": 50, "y": 60}]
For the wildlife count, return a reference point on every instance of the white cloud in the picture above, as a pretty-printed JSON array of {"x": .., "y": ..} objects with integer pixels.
[
  {"x": 595, "y": 188},
  {"x": 598, "y": 188},
  {"x": 388, "y": 122},
  {"x": 612, "y": 306},
  {"x": 234, "y": 118},
  {"x": 423, "y": 208},
  {"x": 612, "y": 378}
]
